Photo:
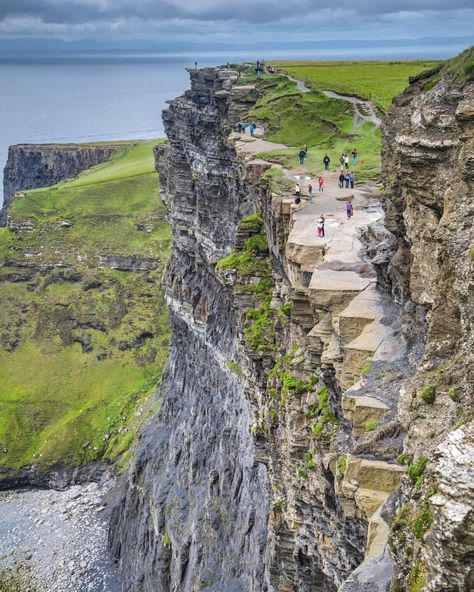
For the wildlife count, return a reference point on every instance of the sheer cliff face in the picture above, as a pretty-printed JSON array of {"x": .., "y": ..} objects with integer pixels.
[
  {"x": 428, "y": 161},
  {"x": 259, "y": 472},
  {"x": 195, "y": 512},
  {"x": 31, "y": 166}
]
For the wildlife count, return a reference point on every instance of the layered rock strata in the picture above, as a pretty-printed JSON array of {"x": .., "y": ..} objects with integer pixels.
[
  {"x": 33, "y": 166},
  {"x": 279, "y": 459},
  {"x": 236, "y": 485},
  {"x": 429, "y": 199}
]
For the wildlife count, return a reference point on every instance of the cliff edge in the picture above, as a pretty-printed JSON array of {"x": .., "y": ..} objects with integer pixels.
[{"x": 34, "y": 166}]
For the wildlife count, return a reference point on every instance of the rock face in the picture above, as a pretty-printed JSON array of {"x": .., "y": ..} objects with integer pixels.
[
  {"x": 296, "y": 425},
  {"x": 429, "y": 200},
  {"x": 31, "y": 166},
  {"x": 194, "y": 515}
]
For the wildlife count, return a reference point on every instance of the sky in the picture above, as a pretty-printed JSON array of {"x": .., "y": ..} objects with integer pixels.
[{"x": 209, "y": 23}]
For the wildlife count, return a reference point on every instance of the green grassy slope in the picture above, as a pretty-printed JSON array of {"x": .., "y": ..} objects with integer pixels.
[
  {"x": 82, "y": 345},
  {"x": 324, "y": 124},
  {"x": 378, "y": 81}
]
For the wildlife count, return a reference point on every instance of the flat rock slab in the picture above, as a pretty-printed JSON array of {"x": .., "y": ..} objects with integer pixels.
[{"x": 326, "y": 280}]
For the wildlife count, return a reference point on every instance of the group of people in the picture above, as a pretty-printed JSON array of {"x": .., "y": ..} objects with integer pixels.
[
  {"x": 243, "y": 127},
  {"x": 347, "y": 180},
  {"x": 344, "y": 159},
  {"x": 297, "y": 199}
]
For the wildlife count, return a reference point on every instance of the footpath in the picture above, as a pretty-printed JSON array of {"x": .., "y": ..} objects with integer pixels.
[{"x": 357, "y": 326}]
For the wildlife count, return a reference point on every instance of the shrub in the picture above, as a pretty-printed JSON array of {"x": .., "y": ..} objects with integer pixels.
[
  {"x": 371, "y": 425},
  {"x": 366, "y": 368},
  {"x": 278, "y": 505},
  {"x": 301, "y": 473},
  {"x": 404, "y": 458},
  {"x": 417, "y": 577},
  {"x": 453, "y": 392},
  {"x": 423, "y": 521},
  {"x": 342, "y": 464},
  {"x": 416, "y": 469},
  {"x": 428, "y": 394}
]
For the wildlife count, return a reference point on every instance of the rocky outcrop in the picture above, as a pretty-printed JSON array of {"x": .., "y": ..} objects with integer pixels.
[
  {"x": 429, "y": 200},
  {"x": 33, "y": 166},
  {"x": 194, "y": 513}
]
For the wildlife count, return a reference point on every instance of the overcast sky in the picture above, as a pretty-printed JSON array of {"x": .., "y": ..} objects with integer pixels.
[{"x": 229, "y": 21}]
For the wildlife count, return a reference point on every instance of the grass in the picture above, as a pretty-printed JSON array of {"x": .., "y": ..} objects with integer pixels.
[
  {"x": 325, "y": 125},
  {"x": 379, "y": 81},
  {"x": 82, "y": 346},
  {"x": 428, "y": 394}
]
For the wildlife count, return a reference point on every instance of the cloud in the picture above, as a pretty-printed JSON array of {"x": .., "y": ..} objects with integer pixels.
[
  {"x": 240, "y": 21},
  {"x": 249, "y": 11}
]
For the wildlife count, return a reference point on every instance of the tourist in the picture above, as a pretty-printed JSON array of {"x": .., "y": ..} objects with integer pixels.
[
  {"x": 297, "y": 192},
  {"x": 310, "y": 192},
  {"x": 354, "y": 156},
  {"x": 243, "y": 126},
  {"x": 349, "y": 210},
  {"x": 346, "y": 161},
  {"x": 341, "y": 180},
  {"x": 302, "y": 155},
  {"x": 347, "y": 180},
  {"x": 352, "y": 179},
  {"x": 326, "y": 161},
  {"x": 341, "y": 161},
  {"x": 252, "y": 128},
  {"x": 320, "y": 226},
  {"x": 321, "y": 184}
]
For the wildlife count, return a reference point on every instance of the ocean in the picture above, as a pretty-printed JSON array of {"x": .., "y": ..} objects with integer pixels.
[{"x": 79, "y": 97}]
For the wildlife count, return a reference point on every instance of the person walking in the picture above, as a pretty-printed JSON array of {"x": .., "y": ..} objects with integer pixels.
[
  {"x": 341, "y": 161},
  {"x": 326, "y": 161},
  {"x": 297, "y": 193},
  {"x": 252, "y": 128},
  {"x": 341, "y": 180},
  {"x": 352, "y": 179},
  {"x": 349, "y": 210},
  {"x": 346, "y": 179},
  {"x": 321, "y": 184},
  {"x": 302, "y": 155},
  {"x": 346, "y": 161},
  {"x": 310, "y": 192},
  {"x": 354, "y": 155},
  {"x": 320, "y": 226}
]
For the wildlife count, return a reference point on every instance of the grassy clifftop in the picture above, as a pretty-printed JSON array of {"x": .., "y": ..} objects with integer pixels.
[
  {"x": 83, "y": 323},
  {"x": 379, "y": 81},
  {"x": 323, "y": 123}
]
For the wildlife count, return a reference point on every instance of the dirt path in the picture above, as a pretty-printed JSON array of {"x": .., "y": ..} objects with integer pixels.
[
  {"x": 363, "y": 110},
  {"x": 359, "y": 116}
]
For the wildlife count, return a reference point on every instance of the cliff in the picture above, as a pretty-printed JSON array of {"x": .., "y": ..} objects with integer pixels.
[
  {"x": 31, "y": 166},
  {"x": 427, "y": 172},
  {"x": 83, "y": 323},
  {"x": 313, "y": 431}
]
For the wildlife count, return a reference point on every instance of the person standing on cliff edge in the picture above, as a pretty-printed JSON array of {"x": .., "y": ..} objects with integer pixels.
[{"x": 320, "y": 226}]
